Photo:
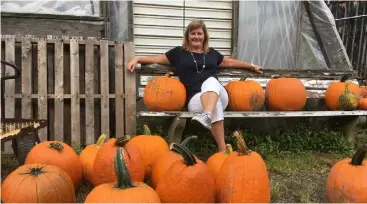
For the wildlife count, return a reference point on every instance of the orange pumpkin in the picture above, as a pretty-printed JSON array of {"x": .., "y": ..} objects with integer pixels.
[
  {"x": 363, "y": 103},
  {"x": 342, "y": 95},
  {"x": 163, "y": 93},
  {"x": 59, "y": 154},
  {"x": 103, "y": 168},
  {"x": 186, "y": 180},
  {"x": 285, "y": 94},
  {"x": 164, "y": 162},
  {"x": 243, "y": 176},
  {"x": 156, "y": 148},
  {"x": 38, "y": 183},
  {"x": 363, "y": 91},
  {"x": 87, "y": 157},
  {"x": 347, "y": 179},
  {"x": 245, "y": 95},
  {"x": 125, "y": 190},
  {"x": 216, "y": 160}
]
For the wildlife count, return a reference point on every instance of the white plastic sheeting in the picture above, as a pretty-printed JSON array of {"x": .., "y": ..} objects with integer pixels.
[
  {"x": 62, "y": 7},
  {"x": 281, "y": 35}
]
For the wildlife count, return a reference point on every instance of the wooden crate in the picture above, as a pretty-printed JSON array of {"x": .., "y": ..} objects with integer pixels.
[{"x": 79, "y": 84}]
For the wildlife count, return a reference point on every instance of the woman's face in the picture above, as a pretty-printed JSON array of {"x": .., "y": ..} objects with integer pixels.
[{"x": 196, "y": 38}]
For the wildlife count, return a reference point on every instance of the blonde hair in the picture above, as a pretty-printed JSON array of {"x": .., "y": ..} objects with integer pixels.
[{"x": 195, "y": 24}]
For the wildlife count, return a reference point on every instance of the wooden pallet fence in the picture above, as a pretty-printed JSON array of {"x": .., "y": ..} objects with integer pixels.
[{"x": 80, "y": 85}]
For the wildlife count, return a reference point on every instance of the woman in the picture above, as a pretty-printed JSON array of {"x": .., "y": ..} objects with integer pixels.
[{"x": 196, "y": 65}]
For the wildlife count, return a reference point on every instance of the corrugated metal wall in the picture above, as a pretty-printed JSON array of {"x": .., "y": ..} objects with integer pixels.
[{"x": 159, "y": 25}]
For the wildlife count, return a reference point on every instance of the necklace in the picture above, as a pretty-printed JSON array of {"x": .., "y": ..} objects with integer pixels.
[{"x": 197, "y": 69}]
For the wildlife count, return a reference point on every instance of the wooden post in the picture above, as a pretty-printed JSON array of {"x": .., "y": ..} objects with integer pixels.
[
  {"x": 89, "y": 92},
  {"x": 75, "y": 101},
  {"x": 105, "y": 107},
  {"x": 59, "y": 91},
  {"x": 130, "y": 91},
  {"x": 119, "y": 89},
  {"x": 42, "y": 85}
]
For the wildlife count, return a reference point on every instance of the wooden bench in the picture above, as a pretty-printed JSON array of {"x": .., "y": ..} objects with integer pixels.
[{"x": 315, "y": 81}]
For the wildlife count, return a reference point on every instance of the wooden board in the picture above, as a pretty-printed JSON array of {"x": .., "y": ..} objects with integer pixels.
[
  {"x": 26, "y": 78},
  {"x": 119, "y": 89},
  {"x": 89, "y": 91},
  {"x": 130, "y": 91},
  {"x": 42, "y": 86},
  {"x": 258, "y": 114},
  {"x": 75, "y": 100},
  {"x": 59, "y": 91},
  {"x": 105, "y": 105}
]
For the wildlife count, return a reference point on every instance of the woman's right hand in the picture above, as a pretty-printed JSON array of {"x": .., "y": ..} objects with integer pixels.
[{"x": 132, "y": 64}]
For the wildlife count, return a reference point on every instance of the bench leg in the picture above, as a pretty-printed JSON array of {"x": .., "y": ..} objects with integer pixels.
[
  {"x": 176, "y": 130},
  {"x": 352, "y": 128}
]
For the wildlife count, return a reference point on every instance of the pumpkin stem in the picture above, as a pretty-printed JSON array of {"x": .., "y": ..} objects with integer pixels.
[
  {"x": 169, "y": 74},
  {"x": 243, "y": 78},
  {"x": 242, "y": 148},
  {"x": 101, "y": 140},
  {"x": 146, "y": 130},
  {"x": 186, "y": 154},
  {"x": 56, "y": 146},
  {"x": 228, "y": 150},
  {"x": 360, "y": 154},
  {"x": 123, "y": 175},
  {"x": 344, "y": 78},
  {"x": 186, "y": 140},
  {"x": 122, "y": 140},
  {"x": 35, "y": 171}
]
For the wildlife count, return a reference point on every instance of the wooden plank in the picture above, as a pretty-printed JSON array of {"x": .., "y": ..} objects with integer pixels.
[
  {"x": 224, "y": 80},
  {"x": 258, "y": 114},
  {"x": 42, "y": 26},
  {"x": 9, "y": 91},
  {"x": 66, "y": 96},
  {"x": 105, "y": 107},
  {"x": 130, "y": 91},
  {"x": 59, "y": 91},
  {"x": 74, "y": 85},
  {"x": 42, "y": 86},
  {"x": 119, "y": 89},
  {"x": 89, "y": 92},
  {"x": 26, "y": 79},
  {"x": 159, "y": 69}
]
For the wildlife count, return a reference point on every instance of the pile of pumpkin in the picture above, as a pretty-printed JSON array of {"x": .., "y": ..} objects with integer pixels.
[
  {"x": 146, "y": 169},
  {"x": 164, "y": 93}
]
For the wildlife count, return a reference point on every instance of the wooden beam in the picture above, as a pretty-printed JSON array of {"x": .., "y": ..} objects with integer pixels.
[
  {"x": 159, "y": 69},
  {"x": 257, "y": 114}
]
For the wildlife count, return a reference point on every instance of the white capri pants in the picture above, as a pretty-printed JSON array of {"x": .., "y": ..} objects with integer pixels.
[{"x": 211, "y": 84}]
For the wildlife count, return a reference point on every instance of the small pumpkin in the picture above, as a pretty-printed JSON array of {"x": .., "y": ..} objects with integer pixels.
[
  {"x": 363, "y": 103},
  {"x": 87, "y": 157},
  {"x": 156, "y": 148},
  {"x": 38, "y": 183},
  {"x": 59, "y": 154},
  {"x": 363, "y": 90},
  {"x": 164, "y": 162},
  {"x": 103, "y": 168},
  {"x": 342, "y": 95},
  {"x": 245, "y": 95},
  {"x": 125, "y": 190},
  {"x": 216, "y": 160},
  {"x": 285, "y": 94},
  {"x": 243, "y": 176},
  {"x": 186, "y": 180},
  {"x": 163, "y": 93},
  {"x": 347, "y": 179}
]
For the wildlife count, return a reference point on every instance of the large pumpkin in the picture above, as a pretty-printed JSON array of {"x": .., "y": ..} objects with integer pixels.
[
  {"x": 342, "y": 95},
  {"x": 347, "y": 179},
  {"x": 363, "y": 103},
  {"x": 245, "y": 95},
  {"x": 163, "y": 93},
  {"x": 38, "y": 183},
  {"x": 216, "y": 160},
  {"x": 59, "y": 154},
  {"x": 285, "y": 94},
  {"x": 103, "y": 168},
  {"x": 243, "y": 176},
  {"x": 125, "y": 190},
  {"x": 164, "y": 162},
  {"x": 186, "y": 181},
  {"x": 151, "y": 147},
  {"x": 87, "y": 157}
]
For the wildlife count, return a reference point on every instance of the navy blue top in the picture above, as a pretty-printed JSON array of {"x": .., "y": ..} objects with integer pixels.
[{"x": 186, "y": 68}]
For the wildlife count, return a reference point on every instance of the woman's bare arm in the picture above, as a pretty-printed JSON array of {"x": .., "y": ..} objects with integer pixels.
[
  {"x": 156, "y": 59},
  {"x": 233, "y": 63}
]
